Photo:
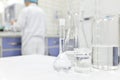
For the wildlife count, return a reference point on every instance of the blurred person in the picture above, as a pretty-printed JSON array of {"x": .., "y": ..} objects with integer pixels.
[{"x": 31, "y": 23}]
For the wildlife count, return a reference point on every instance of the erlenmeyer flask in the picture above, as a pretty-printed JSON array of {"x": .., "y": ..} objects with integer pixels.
[
  {"x": 83, "y": 44},
  {"x": 106, "y": 42}
]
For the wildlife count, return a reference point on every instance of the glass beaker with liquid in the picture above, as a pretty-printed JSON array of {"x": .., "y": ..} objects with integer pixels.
[
  {"x": 106, "y": 43},
  {"x": 83, "y": 45}
]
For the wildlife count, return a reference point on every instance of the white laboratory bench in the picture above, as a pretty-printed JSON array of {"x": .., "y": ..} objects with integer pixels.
[
  {"x": 10, "y": 34},
  {"x": 10, "y": 44},
  {"x": 36, "y": 67},
  {"x": 18, "y": 34}
]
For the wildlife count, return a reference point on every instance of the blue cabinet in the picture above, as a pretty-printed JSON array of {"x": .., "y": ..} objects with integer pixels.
[
  {"x": 53, "y": 51},
  {"x": 11, "y": 53},
  {"x": 53, "y": 46},
  {"x": 8, "y": 43},
  {"x": 53, "y": 42},
  {"x": 10, "y": 46}
]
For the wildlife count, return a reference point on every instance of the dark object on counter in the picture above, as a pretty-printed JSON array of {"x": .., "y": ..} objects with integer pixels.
[
  {"x": 86, "y": 19},
  {"x": 1, "y": 28},
  {"x": 115, "y": 56}
]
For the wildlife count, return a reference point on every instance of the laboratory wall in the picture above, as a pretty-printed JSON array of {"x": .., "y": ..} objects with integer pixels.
[
  {"x": 53, "y": 10},
  {"x": 92, "y": 7},
  {"x": 108, "y": 7},
  {"x": 56, "y": 9},
  {"x": 87, "y": 6}
]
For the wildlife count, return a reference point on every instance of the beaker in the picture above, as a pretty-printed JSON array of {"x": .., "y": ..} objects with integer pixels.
[
  {"x": 82, "y": 60},
  {"x": 106, "y": 42},
  {"x": 83, "y": 44}
]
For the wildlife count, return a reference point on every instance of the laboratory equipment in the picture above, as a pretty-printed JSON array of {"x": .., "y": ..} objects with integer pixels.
[
  {"x": 106, "y": 42},
  {"x": 83, "y": 37},
  {"x": 65, "y": 59},
  {"x": 82, "y": 60},
  {"x": 62, "y": 63},
  {"x": 11, "y": 13},
  {"x": 52, "y": 46},
  {"x": 80, "y": 37},
  {"x": 83, "y": 43},
  {"x": 66, "y": 32},
  {"x": 75, "y": 39},
  {"x": 1, "y": 22},
  {"x": 10, "y": 46},
  {"x": 1, "y": 28}
]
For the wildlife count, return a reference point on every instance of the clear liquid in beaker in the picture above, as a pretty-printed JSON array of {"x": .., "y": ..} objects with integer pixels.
[
  {"x": 105, "y": 57},
  {"x": 82, "y": 60}
]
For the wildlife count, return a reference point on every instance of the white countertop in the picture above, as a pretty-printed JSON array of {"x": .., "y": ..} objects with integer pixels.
[
  {"x": 41, "y": 68},
  {"x": 18, "y": 34},
  {"x": 10, "y": 34}
]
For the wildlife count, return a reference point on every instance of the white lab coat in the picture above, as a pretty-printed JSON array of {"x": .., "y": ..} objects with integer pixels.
[{"x": 31, "y": 23}]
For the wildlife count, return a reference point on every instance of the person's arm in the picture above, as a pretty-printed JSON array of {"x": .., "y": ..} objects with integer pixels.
[{"x": 17, "y": 26}]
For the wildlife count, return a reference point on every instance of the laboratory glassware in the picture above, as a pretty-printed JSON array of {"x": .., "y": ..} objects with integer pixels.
[
  {"x": 63, "y": 61},
  {"x": 106, "y": 42},
  {"x": 83, "y": 44}
]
